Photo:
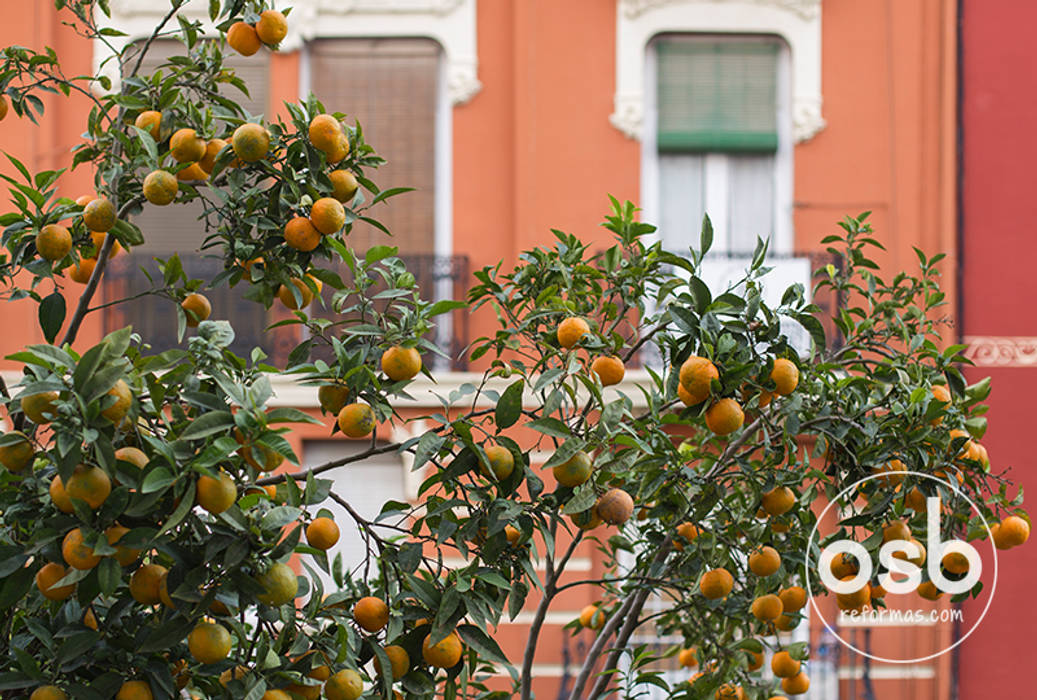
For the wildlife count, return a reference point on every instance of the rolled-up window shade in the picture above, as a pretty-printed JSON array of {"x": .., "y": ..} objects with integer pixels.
[{"x": 717, "y": 96}]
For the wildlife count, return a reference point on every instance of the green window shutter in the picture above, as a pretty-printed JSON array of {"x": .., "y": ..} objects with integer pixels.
[{"x": 717, "y": 96}]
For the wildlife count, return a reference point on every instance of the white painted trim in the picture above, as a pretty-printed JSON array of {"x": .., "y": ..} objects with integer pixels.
[
  {"x": 797, "y": 21},
  {"x": 450, "y": 22}
]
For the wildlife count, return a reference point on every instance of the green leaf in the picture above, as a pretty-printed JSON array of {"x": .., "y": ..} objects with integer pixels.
[
  {"x": 157, "y": 480},
  {"x": 551, "y": 427},
  {"x": 52, "y": 315},
  {"x": 127, "y": 233},
  {"x": 379, "y": 252},
  {"x": 706, "y": 238},
  {"x": 445, "y": 305},
  {"x": 509, "y": 408},
  {"x": 209, "y": 424},
  {"x": 109, "y": 573}
]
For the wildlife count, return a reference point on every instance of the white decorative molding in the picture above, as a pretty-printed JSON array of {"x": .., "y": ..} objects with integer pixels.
[
  {"x": 449, "y": 22},
  {"x": 1001, "y": 351},
  {"x": 798, "y": 22}
]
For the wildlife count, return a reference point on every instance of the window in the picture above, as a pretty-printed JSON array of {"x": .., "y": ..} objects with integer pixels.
[{"x": 721, "y": 140}]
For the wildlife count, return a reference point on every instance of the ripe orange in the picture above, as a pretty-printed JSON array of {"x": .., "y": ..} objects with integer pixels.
[
  {"x": 192, "y": 173},
  {"x": 259, "y": 456},
  {"x": 47, "y": 576},
  {"x": 610, "y": 370},
  {"x": 357, "y": 420},
  {"x": 571, "y": 330},
  {"x": 216, "y": 495},
  {"x": 696, "y": 377},
  {"x": 145, "y": 583},
  {"x": 332, "y": 397},
  {"x": 779, "y": 501},
  {"x": 785, "y": 375},
  {"x": 688, "y": 531},
  {"x": 1013, "y": 531},
  {"x": 344, "y": 685},
  {"x": 212, "y": 150},
  {"x": 915, "y": 500},
  {"x": 275, "y": 695},
  {"x": 97, "y": 238},
  {"x": 59, "y": 496},
  {"x": 591, "y": 617},
  {"x": 197, "y": 308},
  {"x": 243, "y": 38},
  {"x": 82, "y": 270},
  {"x": 764, "y": 561},
  {"x": 573, "y": 471},
  {"x": 893, "y": 470},
  {"x": 916, "y": 559},
  {"x": 124, "y": 555},
  {"x": 586, "y": 520},
  {"x": 501, "y": 461},
  {"x": 857, "y": 600},
  {"x": 443, "y": 653},
  {"x": 344, "y": 185},
  {"x": 17, "y": 456},
  {"x": 280, "y": 585},
  {"x": 615, "y": 506},
  {"x": 724, "y": 417},
  {"x": 513, "y": 534},
  {"x": 955, "y": 563},
  {"x": 271, "y": 27},
  {"x": 929, "y": 591},
  {"x": 149, "y": 120},
  {"x": 300, "y": 234},
  {"x": 399, "y": 661},
  {"x": 786, "y": 623},
  {"x": 783, "y": 665},
  {"x": 401, "y": 364},
  {"x": 328, "y": 215},
  {"x": 251, "y": 142},
  {"x": 185, "y": 146},
  {"x": 767, "y": 608},
  {"x": 209, "y": 642},
  {"x": 135, "y": 690},
  {"x": 53, "y": 242},
  {"x": 686, "y": 658},
  {"x": 75, "y": 552},
  {"x": 716, "y": 583},
  {"x": 877, "y": 592},
  {"x": 99, "y": 215},
  {"x": 325, "y": 132},
  {"x": 40, "y": 408},
  {"x": 793, "y": 598},
  {"x": 371, "y": 613},
  {"x": 160, "y": 187},
  {"x": 896, "y": 530},
  {"x": 288, "y": 298},
  {"x": 233, "y": 674},
  {"x": 48, "y": 692},
  {"x": 338, "y": 151},
  {"x": 89, "y": 484},
  {"x": 730, "y": 692},
  {"x": 123, "y": 399},
  {"x": 322, "y": 533}
]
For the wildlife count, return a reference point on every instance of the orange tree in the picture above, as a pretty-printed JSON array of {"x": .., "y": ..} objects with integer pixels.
[{"x": 147, "y": 538}]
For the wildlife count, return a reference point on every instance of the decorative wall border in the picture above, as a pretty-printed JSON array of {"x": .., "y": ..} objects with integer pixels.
[
  {"x": 449, "y": 22},
  {"x": 1001, "y": 351},
  {"x": 798, "y": 22}
]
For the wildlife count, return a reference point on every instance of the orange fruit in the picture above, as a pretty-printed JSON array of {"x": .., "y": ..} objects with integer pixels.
[
  {"x": 764, "y": 561},
  {"x": 192, "y": 173},
  {"x": 344, "y": 685},
  {"x": 243, "y": 38},
  {"x": 39, "y": 408},
  {"x": 610, "y": 370},
  {"x": 877, "y": 592},
  {"x": 586, "y": 520},
  {"x": 275, "y": 695},
  {"x": 929, "y": 591},
  {"x": 325, "y": 132},
  {"x": 53, "y": 242},
  {"x": 688, "y": 531},
  {"x": 97, "y": 238},
  {"x": 696, "y": 377},
  {"x": 371, "y": 613},
  {"x": 82, "y": 270},
  {"x": 443, "y": 653},
  {"x": 47, "y": 576},
  {"x": 89, "y": 484},
  {"x": 767, "y": 608},
  {"x": 344, "y": 185},
  {"x": 591, "y": 617},
  {"x": 322, "y": 533},
  {"x": 99, "y": 215},
  {"x": 686, "y": 658},
  {"x": 328, "y": 215},
  {"x": 357, "y": 420},
  {"x": 288, "y": 298},
  {"x": 280, "y": 585},
  {"x": 150, "y": 121},
  {"x": 233, "y": 674},
  {"x": 779, "y": 500},
  {"x": 716, "y": 583},
  {"x": 216, "y": 495},
  {"x": 513, "y": 534},
  {"x": 251, "y": 142},
  {"x": 75, "y": 552},
  {"x": 893, "y": 470},
  {"x": 1013, "y": 531},
  {"x": 271, "y": 27},
  {"x": 685, "y": 396},
  {"x": 123, "y": 399},
  {"x": 501, "y": 461},
  {"x": 917, "y": 559},
  {"x": 573, "y": 471},
  {"x": 59, "y": 496},
  {"x": 47, "y": 692},
  {"x": 783, "y": 665},
  {"x": 197, "y": 308},
  {"x": 3, "y": 107},
  {"x": 793, "y": 598},
  {"x": 212, "y": 150},
  {"x": 786, "y": 623},
  {"x": 730, "y": 692},
  {"x": 785, "y": 375},
  {"x": 124, "y": 555},
  {"x": 615, "y": 506},
  {"x": 17, "y": 456},
  {"x": 399, "y": 661},
  {"x": 185, "y": 146},
  {"x": 145, "y": 583},
  {"x": 300, "y": 234},
  {"x": 955, "y": 563},
  {"x": 332, "y": 397},
  {"x": 896, "y": 530},
  {"x": 160, "y": 187},
  {"x": 915, "y": 500},
  {"x": 401, "y": 364},
  {"x": 724, "y": 417},
  {"x": 857, "y": 600},
  {"x": 338, "y": 151},
  {"x": 259, "y": 456},
  {"x": 571, "y": 330},
  {"x": 209, "y": 642},
  {"x": 135, "y": 690},
  {"x": 797, "y": 685}
]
